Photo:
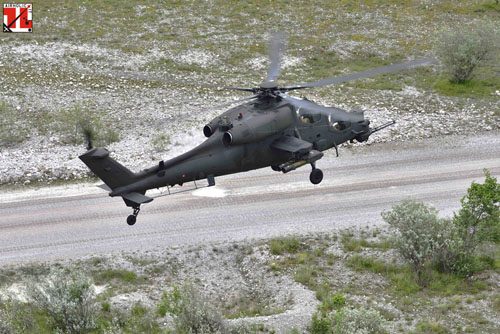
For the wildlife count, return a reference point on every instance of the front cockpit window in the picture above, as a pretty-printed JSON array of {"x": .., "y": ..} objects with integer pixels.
[{"x": 338, "y": 125}]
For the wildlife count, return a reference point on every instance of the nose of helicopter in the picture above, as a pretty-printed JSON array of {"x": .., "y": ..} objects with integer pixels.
[{"x": 362, "y": 126}]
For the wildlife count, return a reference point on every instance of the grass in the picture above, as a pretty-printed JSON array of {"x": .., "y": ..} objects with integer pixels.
[
  {"x": 250, "y": 305},
  {"x": 305, "y": 274},
  {"x": 280, "y": 246},
  {"x": 160, "y": 142},
  {"x": 478, "y": 88},
  {"x": 122, "y": 276},
  {"x": 403, "y": 281}
]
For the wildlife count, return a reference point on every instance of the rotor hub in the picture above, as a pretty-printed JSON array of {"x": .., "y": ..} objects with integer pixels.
[{"x": 269, "y": 86}]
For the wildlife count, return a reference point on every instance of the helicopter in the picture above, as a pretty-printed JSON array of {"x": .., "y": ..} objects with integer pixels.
[{"x": 270, "y": 128}]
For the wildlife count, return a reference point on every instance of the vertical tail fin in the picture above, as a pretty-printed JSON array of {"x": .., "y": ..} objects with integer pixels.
[{"x": 107, "y": 169}]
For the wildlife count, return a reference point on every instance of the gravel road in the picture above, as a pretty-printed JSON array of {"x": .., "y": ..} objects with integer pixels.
[{"x": 357, "y": 186}]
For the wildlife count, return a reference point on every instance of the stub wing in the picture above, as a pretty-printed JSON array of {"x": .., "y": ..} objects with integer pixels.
[{"x": 292, "y": 145}]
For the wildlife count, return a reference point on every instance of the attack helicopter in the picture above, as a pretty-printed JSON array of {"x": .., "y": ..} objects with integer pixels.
[{"x": 270, "y": 128}]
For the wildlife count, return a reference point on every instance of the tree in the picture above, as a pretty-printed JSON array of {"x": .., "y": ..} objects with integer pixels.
[
  {"x": 463, "y": 49},
  {"x": 478, "y": 219}
]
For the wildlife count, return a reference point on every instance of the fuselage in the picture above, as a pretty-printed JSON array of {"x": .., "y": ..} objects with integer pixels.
[{"x": 252, "y": 128}]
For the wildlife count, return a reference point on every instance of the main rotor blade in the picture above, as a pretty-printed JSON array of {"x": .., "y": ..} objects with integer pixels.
[
  {"x": 364, "y": 74},
  {"x": 227, "y": 104},
  {"x": 276, "y": 46},
  {"x": 147, "y": 77},
  {"x": 230, "y": 103}
]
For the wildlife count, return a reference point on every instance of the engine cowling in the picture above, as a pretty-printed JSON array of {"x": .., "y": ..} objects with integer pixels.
[
  {"x": 210, "y": 128},
  {"x": 258, "y": 126}
]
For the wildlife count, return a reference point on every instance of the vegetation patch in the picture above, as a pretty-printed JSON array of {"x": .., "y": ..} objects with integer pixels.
[
  {"x": 284, "y": 245},
  {"x": 13, "y": 129},
  {"x": 75, "y": 123}
]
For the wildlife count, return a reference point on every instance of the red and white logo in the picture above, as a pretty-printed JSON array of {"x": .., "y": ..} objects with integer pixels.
[{"x": 17, "y": 17}]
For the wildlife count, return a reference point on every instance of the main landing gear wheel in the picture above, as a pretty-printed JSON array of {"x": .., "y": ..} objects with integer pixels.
[
  {"x": 131, "y": 220},
  {"x": 316, "y": 176},
  {"x": 133, "y": 217}
]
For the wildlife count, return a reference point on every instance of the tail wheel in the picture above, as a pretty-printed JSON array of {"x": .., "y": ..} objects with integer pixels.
[
  {"x": 133, "y": 217},
  {"x": 316, "y": 176}
]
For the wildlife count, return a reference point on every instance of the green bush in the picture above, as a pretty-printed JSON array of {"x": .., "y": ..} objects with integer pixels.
[
  {"x": 477, "y": 221},
  {"x": 463, "y": 48},
  {"x": 68, "y": 299},
  {"x": 422, "y": 237},
  {"x": 419, "y": 233},
  {"x": 349, "y": 321}
]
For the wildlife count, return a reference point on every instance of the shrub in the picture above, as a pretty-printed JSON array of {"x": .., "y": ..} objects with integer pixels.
[
  {"x": 419, "y": 233},
  {"x": 68, "y": 299},
  {"x": 332, "y": 302},
  {"x": 463, "y": 49},
  {"x": 349, "y": 321},
  {"x": 12, "y": 129},
  {"x": 320, "y": 325},
  {"x": 193, "y": 314},
  {"x": 478, "y": 220},
  {"x": 359, "y": 321}
]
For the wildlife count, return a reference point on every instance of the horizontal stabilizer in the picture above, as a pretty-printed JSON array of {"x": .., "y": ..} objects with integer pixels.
[
  {"x": 104, "y": 187},
  {"x": 136, "y": 198}
]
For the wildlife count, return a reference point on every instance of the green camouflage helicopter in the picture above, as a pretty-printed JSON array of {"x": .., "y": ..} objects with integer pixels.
[{"x": 270, "y": 129}]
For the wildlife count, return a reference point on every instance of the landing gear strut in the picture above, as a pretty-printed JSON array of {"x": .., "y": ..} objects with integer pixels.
[
  {"x": 133, "y": 217},
  {"x": 316, "y": 175}
]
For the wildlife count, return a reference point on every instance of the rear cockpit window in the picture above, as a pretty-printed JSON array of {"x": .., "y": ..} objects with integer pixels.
[{"x": 308, "y": 117}]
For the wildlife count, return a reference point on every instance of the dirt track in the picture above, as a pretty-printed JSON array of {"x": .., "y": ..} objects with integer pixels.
[{"x": 357, "y": 186}]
